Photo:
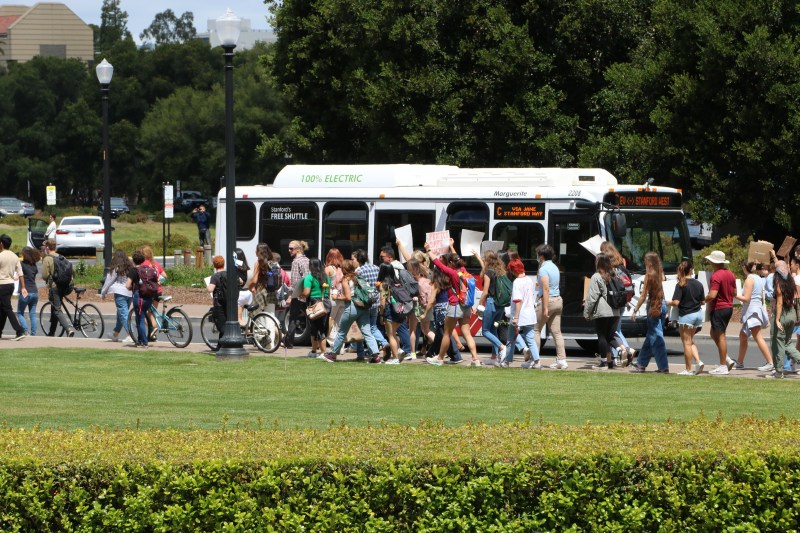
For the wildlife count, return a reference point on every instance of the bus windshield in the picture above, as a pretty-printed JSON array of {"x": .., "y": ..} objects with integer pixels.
[{"x": 663, "y": 233}]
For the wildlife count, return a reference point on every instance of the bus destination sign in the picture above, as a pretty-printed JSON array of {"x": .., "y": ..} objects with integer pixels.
[
  {"x": 644, "y": 199},
  {"x": 519, "y": 211}
]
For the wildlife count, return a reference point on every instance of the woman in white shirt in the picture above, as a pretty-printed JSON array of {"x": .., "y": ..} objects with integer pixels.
[{"x": 523, "y": 316}]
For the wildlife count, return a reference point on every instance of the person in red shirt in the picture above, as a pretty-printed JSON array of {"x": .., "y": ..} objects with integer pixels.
[{"x": 720, "y": 301}]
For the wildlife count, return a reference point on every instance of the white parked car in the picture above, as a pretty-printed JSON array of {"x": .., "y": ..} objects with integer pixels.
[{"x": 84, "y": 231}]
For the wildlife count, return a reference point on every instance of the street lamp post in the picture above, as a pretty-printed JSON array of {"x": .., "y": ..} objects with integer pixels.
[
  {"x": 231, "y": 345},
  {"x": 104, "y": 73}
]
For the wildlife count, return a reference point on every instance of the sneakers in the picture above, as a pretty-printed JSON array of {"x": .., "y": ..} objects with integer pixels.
[
  {"x": 328, "y": 357},
  {"x": 721, "y": 370},
  {"x": 393, "y": 361},
  {"x": 774, "y": 375},
  {"x": 698, "y": 368},
  {"x": 490, "y": 362},
  {"x": 738, "y": 366},
  {"x": 312, "y": 354},
  {"x": 637, "y": 368},
  {"x": 730, "y": 363},
  {"x": 628, "y": 357},
  {"x": 475, "y": 363},
  {"x": 766, "y": 368},
  {"x": 376, "y": 360},
  {"x": 617, "y": 362},
  {"x": 71, "y": 333},
  {"x": 533, "y": 365},
  {"x": 433, "y": 361},
  {"x": 526, "y": 353},
  {"x": 503, "y": 365},
  {"x": 114, "y": 336},
  {"x": 20, "y": 336},
  {"x": 686, "y": 373},
  {"x": 560, "y": 364},
  {"x": 662, "y": 371},
  {"x": 127, "y": 340}
]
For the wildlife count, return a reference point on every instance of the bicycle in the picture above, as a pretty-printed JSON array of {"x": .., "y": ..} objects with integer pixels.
[
  {"x": 263, "y": 330},
  {"x": 86, "y": 318},
  {"x": 173, "y": 322}
]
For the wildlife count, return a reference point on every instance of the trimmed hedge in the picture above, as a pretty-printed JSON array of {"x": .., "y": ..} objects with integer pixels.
[{"x": 699, "y": 476}]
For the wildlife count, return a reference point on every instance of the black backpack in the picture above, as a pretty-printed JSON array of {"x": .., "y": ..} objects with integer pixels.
[
  {"x": 62, "y": 274},
  {"x": 273, "y": 279},
  {"x": 408, "y": 281},
  {"x": 616, "y": 294},
  {"x": 221, "y": 289}
]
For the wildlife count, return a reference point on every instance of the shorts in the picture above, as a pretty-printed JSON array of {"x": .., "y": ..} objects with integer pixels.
[
  {"x": 245, "y": 298},
  {"x": 720, "y": 319},
  {"x": 459, "y": 311},
  {"x": 694, "y": 320},
  {"x": 392, "y": 316}
]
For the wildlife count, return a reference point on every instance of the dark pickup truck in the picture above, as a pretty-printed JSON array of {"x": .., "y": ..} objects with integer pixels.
[{"x": 187, "y": 201}]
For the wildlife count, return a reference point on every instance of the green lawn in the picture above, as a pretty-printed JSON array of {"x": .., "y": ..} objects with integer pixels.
[
  {"x": 134, "y": 388},
  {"x": 150, "y": 231}
]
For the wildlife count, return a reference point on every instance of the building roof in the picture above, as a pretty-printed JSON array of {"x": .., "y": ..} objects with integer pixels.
[{"x": 7, "y": 21}]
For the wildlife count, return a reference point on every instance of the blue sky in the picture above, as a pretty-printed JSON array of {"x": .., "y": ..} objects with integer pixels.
[{"x": 141, "y": 13}]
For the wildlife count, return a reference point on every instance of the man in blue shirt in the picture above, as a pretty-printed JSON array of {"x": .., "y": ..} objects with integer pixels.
[
  {"x": 550, "y": 305},
  {"x": 203, "y": 221}
]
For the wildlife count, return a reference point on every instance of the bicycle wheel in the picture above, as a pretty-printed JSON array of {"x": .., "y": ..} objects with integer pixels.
[
  {"x": 209, "y": 331},
  {"x": 266, "y": 332},
  {"x": 90, "y": 322},
  {"x": 178, "y": 328},
  {"x": 50, "y": 330},
  {"x": 134, "y": 333}
]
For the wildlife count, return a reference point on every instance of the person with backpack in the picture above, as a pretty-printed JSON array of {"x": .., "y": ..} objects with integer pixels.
[
  {"x": 417, "y": 264},
  {"x": 620, "y": 346},
  {"x": 333, "y": 268},
  {"x": 143, "y": 282},
  {"x": 150, "y": 261},
  {"x": 268, "y": 277},
  {"x": 459, "y": 307},
  {"x": 403, "y": 333},
  {"x": 523, "y": 317},
  {"x": 57, "y": 273},
  {"x": 653, "y": 294},
  {"x": 10, "y": 270},
  {"x": 494, "y": 304},
  {"x": 397, "y": 304},
  {"x": 550, "y": 303},
  {"x": 369, "y": 273},
  {"x": 351, "y": 314},
  {"x": 115, "y": 283},
  {"x": 217, "y": 286},
  {"x": 597, "y": 309}
]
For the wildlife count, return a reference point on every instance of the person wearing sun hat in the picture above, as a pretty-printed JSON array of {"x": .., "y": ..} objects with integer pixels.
[{"x": 722, "y": 289}]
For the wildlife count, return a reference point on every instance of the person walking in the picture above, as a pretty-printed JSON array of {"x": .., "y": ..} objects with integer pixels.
[
  {"x": 297, "y": 302},
  {"x": 29, "y": 300},
  {"x": 689, "y": 296},
  {"x": 523, "y": 317},
  {"x": 217, "y": 287},
  {"x": 550, "y": 307},
  {"x": 316, "y": 289},
  {"x": 10, "y": 271},
  {"x": 784, "y": 318},
  {"x": 264, "y": 297},
  {"x": 754, "y": 315},
  {"x": 620, "y": 346},
  {"x": 203, "y": 221},
  {"x": 116, "y": 284},
  {"x": 351, "y": 314},
  {"x": 333, "y": 269},
  {"x": 492, "y": 271},
  {"x": 369, "y": 272},
  {"x": 50, "y": 232},
  {"x": 141, "y": 303},
  {"x": 653, "y": 293},
  {"x": 721, "y": 290},
  {"x": 597, "y": 309},
  {"x": 55, "y": 293}
]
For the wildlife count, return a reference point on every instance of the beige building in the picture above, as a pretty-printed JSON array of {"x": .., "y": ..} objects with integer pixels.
[{"x": 46, "y": 29}]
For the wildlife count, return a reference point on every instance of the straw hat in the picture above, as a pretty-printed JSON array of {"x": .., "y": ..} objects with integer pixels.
[{"x": 717, "y": 257}]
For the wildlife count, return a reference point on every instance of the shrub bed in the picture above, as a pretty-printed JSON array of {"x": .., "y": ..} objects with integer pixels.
[{"x": 698, "y": 476}]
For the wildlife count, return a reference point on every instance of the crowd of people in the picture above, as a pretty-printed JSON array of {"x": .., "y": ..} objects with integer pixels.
[{"x": 424, "y": 304}]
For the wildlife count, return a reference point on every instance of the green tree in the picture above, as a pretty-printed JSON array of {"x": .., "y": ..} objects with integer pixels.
[
  {"x": 113, "y": 26},
  {"x": 167, "y": 28}
]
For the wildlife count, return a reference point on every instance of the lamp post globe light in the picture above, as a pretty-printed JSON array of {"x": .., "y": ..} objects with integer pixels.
[
  {"x": 231, "y": 345},
  {"x": 104, "y": 73}
]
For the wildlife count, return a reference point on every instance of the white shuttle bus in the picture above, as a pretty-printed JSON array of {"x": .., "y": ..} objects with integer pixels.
[{"x": 359, "y": 206}]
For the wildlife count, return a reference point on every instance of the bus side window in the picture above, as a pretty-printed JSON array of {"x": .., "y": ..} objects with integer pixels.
[
  {"x": 386, "y": 221},
  {"x": 522, "y": 237},
  {"x": 283, "y": 221},
  {"x": 467, "y": 215},
  {"x": 344, "y": 226}
]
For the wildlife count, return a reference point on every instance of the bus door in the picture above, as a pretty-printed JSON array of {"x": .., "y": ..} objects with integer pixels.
[
  {"x": 390, "y": 215},
  {"x": 567, "y": 229}
]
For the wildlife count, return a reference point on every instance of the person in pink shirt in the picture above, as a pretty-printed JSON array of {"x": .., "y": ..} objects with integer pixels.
[
  {"x": 720, "y": 301},
  {"x": 456, "y": 314}
]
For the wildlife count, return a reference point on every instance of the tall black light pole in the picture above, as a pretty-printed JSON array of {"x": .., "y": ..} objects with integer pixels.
[
  {"x": 231, "y": 345},
  {"x": 104, "y": 73}
]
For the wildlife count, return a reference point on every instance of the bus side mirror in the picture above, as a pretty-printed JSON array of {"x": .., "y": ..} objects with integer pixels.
[{"x": 619, "y": 228}]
